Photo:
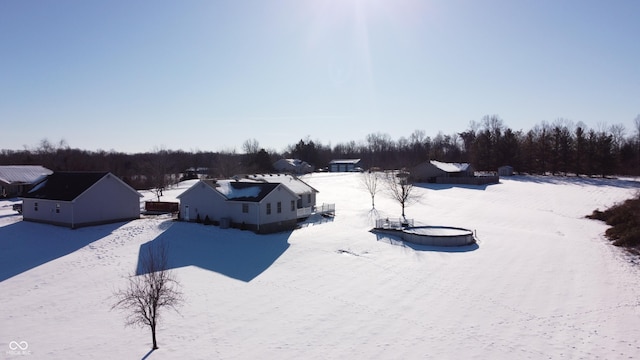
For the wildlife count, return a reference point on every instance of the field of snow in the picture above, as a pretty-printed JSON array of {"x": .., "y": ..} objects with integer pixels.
[{"x": 542, "y": 282}]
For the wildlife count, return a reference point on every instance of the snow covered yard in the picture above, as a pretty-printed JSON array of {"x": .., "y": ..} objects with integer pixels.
[{"x": 542, "y": 282}]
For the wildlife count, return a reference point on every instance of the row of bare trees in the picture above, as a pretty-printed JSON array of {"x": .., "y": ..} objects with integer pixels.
[{"x": 561, "y": 147}]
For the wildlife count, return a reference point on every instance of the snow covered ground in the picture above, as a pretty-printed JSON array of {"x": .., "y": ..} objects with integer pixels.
[{"x": 542, "y": 283}]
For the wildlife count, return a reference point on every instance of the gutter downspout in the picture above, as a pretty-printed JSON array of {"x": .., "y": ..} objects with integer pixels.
[
  {"x": 73, "y": 213},
  {"x": 258, "y": 223}
]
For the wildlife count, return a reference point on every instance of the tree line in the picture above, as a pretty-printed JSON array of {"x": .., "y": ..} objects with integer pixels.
[{"x": 560, "y": 147}]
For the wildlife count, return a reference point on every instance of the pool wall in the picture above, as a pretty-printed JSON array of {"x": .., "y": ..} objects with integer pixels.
[{"x": 464, "y": 238}]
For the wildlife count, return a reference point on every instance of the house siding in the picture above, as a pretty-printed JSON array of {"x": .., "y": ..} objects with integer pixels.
[
  {"x": 107, "y": 201},
  {"x": 427, "y": 172},
  {"x": 205, "y": 201},
  {"x": 46, "y": 211}
]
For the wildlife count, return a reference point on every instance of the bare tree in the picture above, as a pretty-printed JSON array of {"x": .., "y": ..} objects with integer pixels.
[
  {"x": 157, "y": 168},
  {"x": 618, "y": 132},
  {"x": 251, "y": 146},
  {"x": 400, "y": 188},
  {"x": 370, "y": 180},
  {"x": 146, "y": 294}
]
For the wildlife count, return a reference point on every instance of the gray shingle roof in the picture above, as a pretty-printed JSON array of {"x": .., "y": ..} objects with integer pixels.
[{"x": 64, "y": 186}]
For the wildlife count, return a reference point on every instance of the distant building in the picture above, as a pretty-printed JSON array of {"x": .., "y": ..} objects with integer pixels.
[
  {"x": 194, "y": 173},
  {"x": 506, "y": 170},
  {"x": 450, "y": 173},
  {"x": 17, "y": 179},
  {"x": 431, "y": 171},
  {"x": 344, "y": 165},
  {"x": 293, "y": 166},
  {"x": 77, "y": 199}
]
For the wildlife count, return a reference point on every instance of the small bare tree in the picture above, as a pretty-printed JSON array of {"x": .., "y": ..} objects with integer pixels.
[
  {"x": 146, "y": 294},
  {"x": 400, "y": 188},
  {"x": 370, "y": 180}
]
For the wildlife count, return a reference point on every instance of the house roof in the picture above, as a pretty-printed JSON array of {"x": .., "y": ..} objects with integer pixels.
[
  {"x": 345, "y": 161},
  {"x": 22, "y": 174},
  {"x": 292, "y": 162},
  {"x": 292, "y": 182},
  {"x": 64, "y": 186},
  {"x": 242, "y": 191},
  {"x": 451, "y": 167}
]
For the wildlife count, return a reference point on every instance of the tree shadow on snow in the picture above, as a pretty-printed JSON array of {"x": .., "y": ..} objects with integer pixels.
[
  {"x": 397, "y": 241},
  {"x": 238, "y": 254},
  {"x": 26, "y": 245},
  {"x": 577, "y": 180}
]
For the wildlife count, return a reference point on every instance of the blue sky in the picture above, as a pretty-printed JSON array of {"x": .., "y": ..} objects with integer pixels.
[{"x": 208, "y": 75}]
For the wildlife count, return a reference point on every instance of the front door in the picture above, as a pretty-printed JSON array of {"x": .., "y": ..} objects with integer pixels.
[{"x": 186, "y": 212}]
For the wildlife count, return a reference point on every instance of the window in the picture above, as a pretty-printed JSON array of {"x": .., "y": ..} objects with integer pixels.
[
  {"x": 57, "y": 208},
  {"x": 293, "y": 205},
  {"x": 35, "y": 206},
  {"x": 268, "y": 208},
  {"x": 279, "y": 207},
  {"x": 245, "y": 208},
  {"x": 309, "y": 198}
]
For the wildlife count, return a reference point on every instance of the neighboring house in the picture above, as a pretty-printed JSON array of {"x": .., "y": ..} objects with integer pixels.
[
  {"x": 506, "y": 170},
  {"x": 195, "y": 173},
  {"x": 306, "y": 193},
  {"x": 254, "y": 205},
  {"x": 77, "y": 199},
  {"x": 344, "y": 165},
  {"x": 293, "y": 166},
  {"x": 450, "y": 173},
  {"x": 436, "y": 171},
  {"x": 17, "y": 179}
]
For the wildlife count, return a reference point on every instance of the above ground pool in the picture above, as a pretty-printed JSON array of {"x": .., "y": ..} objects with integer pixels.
[{"x": 433, "y": 235}]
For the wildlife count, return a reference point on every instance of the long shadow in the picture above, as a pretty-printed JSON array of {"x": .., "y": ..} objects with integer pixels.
[
  {"x": 238, "y": 254},
  {"x": 432, "y": 186},
  {"x": 148, "y": 354},
  {"x": 578, "y": 180},
  {"x": 26, "y": 245},
  {"x": 397, "y": 241},
  {"x": 315, "y": 219}
]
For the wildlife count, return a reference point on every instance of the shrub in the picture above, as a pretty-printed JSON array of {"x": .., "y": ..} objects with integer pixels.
[{"x": 624, "y": 219}]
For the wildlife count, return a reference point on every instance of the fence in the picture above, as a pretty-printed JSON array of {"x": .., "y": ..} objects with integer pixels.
[
  {"x": 398, "y": 223},
  {"x": 161, "y": 206},
  {"x": 322, "y": 209},
  {"x": 326, "y": 209}
]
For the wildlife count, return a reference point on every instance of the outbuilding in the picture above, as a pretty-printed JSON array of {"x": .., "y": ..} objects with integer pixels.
[
  {"x": 451, "y": 173},
  {"x": 344, "y": 165},
  {"x": 436, "y": 171},
  {"x": 505, "y": 170},
  {"x": 77, "y": 199}
]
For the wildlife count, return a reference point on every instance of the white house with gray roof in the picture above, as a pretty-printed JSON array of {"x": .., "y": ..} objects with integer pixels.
[
  {"x": 307, "y": 194},
  {"x": 293, "y": 166},
  {"x": 263, "y": 207}
]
